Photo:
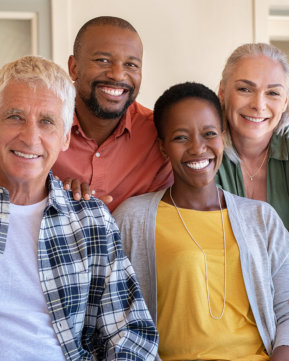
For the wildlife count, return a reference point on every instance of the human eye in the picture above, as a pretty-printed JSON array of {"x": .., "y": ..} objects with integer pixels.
[
  {"x": 101, "y": 60},
  {"x": 243, "y": 89},
  {"x": 180, "y": 138},
  {"x": 14, "y": 118},
  {"x": 211, "y": 134},
  {"x": 46, "y": 121},
  {"x": 274, "y": 93},
  {"x": 132, "y": 65}
]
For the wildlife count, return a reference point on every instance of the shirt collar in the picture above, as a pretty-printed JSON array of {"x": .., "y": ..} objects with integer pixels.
[
  {"x": 279, "y": 147},
  {"x": 57, "y": 197},
  {"x": 123, "y": 126}
]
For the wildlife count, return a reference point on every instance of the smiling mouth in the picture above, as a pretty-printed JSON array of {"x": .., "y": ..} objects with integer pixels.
[
  {"x": 25, "y": 155},
  {"x": 198, "y": 165},
  {"x": 113, "y": 91},
  {"x": 255, "y": 119}
]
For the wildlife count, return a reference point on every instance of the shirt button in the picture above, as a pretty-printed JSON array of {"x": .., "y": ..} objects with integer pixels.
[
  {"x": 97, "y": 154},
  {"x": 77, "y": 132},
  {"x": 93, "y": 192}
]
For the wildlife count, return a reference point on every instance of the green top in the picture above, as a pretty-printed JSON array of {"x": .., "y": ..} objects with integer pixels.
[{"x": 230, "y": 176}]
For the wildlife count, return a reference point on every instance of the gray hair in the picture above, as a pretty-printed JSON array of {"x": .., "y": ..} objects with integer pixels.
[
  {"x": 255, "y": 50},
  {"x": 260, "y": 49},
  {"x": 35, "y": 70}
]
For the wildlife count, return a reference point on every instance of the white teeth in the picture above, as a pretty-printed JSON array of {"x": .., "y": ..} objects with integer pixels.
[
  {"x": 255, "y": 120},
  {"x": 24, "y": 155},
  {"x": 198, "y": 165},
  {"x": 110, "y": 91}
]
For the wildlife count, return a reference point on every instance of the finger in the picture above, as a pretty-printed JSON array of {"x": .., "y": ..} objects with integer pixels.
[
  {"x": 67, "y": 184},
  {"x": 76, "y": 189},
  {"x": 85, "y": 191},
  {"x": 106, "y": 199}
]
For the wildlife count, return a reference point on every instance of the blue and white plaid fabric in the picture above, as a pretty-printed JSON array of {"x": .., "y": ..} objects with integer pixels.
[{"x": 94, "y": 300}]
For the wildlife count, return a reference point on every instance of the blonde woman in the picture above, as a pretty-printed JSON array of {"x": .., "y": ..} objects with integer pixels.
[{"x": 254, "y": 96}]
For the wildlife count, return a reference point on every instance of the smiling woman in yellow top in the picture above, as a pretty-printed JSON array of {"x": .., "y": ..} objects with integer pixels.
[{"x": 213, "y": 267}]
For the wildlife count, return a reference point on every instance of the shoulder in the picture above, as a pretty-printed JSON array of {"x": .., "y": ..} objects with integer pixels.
[
  {"x": 93, "y": 208},
  {"x": 64, "y": 203},
  {"x": 140, "y": 109},
  {"x": 140, "y": 113},
  {"x": 279, "y": 146},
  {"x": 138, "y": 205},
  {"x": 250, "y": 209}
]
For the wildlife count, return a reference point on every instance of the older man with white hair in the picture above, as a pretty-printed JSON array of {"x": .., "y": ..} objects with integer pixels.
[{"x": 67, "y": 292}]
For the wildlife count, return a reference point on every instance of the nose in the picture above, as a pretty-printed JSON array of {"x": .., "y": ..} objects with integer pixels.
[
  {"x": 258, "y": 101},
  {"x": 197, "y": 145},
  {"x": 116, "y": 72},
  {"x": 30, "y": 134}
]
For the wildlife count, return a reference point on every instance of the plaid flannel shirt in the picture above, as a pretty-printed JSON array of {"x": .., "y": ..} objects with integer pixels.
[{"x": 94, "y": 300}]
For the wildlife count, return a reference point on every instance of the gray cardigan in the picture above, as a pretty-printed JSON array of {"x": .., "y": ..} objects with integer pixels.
[{"x": 263, "y": 242}]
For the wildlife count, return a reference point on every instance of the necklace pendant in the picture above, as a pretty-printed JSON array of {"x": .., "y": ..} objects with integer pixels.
[{"x": 251, "y": 179}]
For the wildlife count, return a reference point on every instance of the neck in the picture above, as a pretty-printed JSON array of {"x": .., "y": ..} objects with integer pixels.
[
  {"x": 26, "y": 193},
  {"x": 250, "y": 148},
  {"x": 201, "y": 199},
  {"x": 94, "y": 127}
]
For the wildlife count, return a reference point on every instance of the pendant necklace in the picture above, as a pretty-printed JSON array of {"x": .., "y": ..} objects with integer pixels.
[
  {"x": 205, "y": 256},
  {"x": 251, "y": 176}
]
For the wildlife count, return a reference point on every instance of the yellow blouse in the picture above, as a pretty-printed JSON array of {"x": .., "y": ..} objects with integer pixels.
[{"x": 187, "y": 331}]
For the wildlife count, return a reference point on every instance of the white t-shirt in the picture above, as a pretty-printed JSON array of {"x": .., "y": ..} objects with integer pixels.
[{"x": 25, "y": 325}]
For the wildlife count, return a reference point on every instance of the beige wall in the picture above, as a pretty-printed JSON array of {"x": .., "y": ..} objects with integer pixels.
[{"x": 183, "y": 39}]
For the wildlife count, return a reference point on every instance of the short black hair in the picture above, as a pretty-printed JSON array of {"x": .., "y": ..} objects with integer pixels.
[
  {"x": 182, "y": 91},
  {"x": 98, "y": 21}
]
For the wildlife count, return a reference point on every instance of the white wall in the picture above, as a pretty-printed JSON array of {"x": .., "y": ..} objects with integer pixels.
[
  {"x": 183, "y": 39},
  {"x": 42, "y": 10},
  {"x": 277, "y": 4}
]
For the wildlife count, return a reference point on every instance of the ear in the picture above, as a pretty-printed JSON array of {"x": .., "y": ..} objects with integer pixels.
[
  {"x": 72, "y": 67},
  {"x": 221, "y": 92},
  {"x": 66, "y": 141},
  {"x": 223, "y": 135},
  {"x": 162, "y": 149}
]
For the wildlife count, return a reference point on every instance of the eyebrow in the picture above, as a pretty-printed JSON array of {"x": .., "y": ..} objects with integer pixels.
[
  {"x": 16, "y": 111},
  {"x": 249, "y": 82},
  {"x": 187, "y": 130},
  {"x": 181, "y": 130},
  {"x": 12, "y": 111},
  {"x": 103, "y": 53}
]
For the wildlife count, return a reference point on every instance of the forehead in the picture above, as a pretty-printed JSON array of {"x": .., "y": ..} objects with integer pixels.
[
  {"x": 190, "y": 111},
  {"x": 110, "y": 39},
  {"x": 29, "y": 97},
  {"x": 259, "y": 69}
]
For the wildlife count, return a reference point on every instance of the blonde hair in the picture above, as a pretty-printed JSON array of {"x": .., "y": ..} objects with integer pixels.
[{"x": 35, "y": 70}]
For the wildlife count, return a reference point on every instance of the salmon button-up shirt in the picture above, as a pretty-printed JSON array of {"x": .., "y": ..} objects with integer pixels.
[{"x": 126, "y": 164}]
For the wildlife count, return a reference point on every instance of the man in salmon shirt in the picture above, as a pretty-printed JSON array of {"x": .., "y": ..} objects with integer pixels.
[{"x": 113, "y": 141}]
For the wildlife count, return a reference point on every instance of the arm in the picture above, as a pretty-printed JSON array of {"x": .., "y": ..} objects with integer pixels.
[
  {"x": 126, "y": 330},
  {"x": 280, "y": 353},
  {"x": 279, "y": 254}
]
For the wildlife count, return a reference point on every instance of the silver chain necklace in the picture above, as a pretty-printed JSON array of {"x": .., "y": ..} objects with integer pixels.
[
  {"x": 205, "y": 256},
  {"x": 251, "y": 176}
]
